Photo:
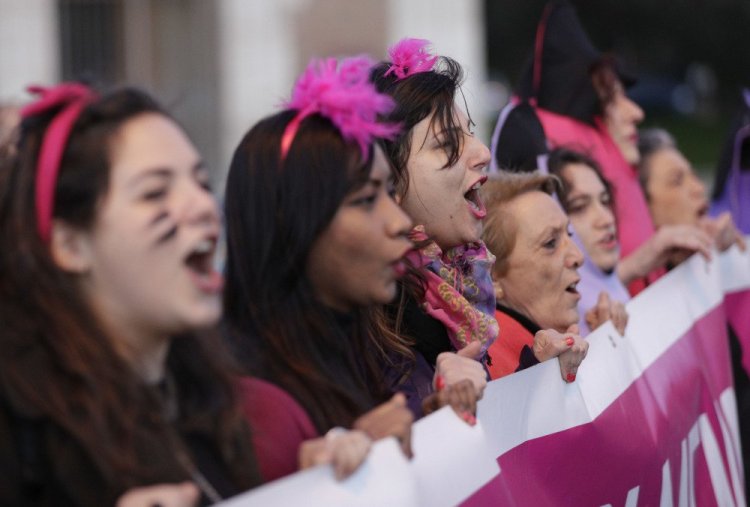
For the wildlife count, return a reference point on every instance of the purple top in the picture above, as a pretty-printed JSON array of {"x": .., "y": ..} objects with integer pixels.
[{"x": 593, "y": 281}]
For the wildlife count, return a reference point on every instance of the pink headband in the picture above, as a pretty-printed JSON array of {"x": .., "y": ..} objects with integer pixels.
[
  {"x": 341, "y": 92},
  {"x": 71, "y": 98},
  {"x": 409, "y": 57}
]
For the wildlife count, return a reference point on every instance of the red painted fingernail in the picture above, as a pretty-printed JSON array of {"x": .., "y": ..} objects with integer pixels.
[
  {"x": 469, "y": 418},
  {"x": 569, "y": 341},
  {"x": 439, "y": 383},
  {"x": 571, "y": 377}
]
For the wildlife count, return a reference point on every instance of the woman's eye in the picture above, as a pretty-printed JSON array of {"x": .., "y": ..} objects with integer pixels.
[
  {"x": 365, "y": 201},
  {"x": 575, "y": 208},
  {"x": 155, "y": 194},
  {"x": 203, "y": 178},
  {"x": 550, "y": 244}
]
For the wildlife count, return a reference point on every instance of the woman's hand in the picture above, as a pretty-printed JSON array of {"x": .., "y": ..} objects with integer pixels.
[
  {"x": 165, "y": 495},
  {"x": 452, "y": 368},
  {"x": 670, "y": 243},
  {"x": 605, "y": 310},
  {"x": 344, "y": 450},
  {"x": 391, "y": 419},
  {"x": 569, "y": 348},
  {"x": 461, "y": 396},
  {"x": 723, "y": 231}
]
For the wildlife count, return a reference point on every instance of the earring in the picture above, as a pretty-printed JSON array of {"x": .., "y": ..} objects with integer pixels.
[{"x": 498, "y": 292}]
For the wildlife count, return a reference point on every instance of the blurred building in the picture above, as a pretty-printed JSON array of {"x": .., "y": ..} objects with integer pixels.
[{"x": 220, "y": 65}]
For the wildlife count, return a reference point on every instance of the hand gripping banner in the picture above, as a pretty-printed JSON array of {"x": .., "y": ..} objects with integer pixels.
[{"x": 650, "y": 420}]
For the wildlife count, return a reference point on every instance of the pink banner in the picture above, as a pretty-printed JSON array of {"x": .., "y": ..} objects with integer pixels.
[
  {"x": 670, "y": 438},
  {"x": 650, "y": 420}
]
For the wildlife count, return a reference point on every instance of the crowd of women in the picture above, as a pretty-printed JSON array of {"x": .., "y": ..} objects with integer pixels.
[{"x": 375, "y": 270}]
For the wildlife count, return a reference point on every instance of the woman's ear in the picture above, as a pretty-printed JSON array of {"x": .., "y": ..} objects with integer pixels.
[
  {"x": 499, "y": 292},
  {"x": 70, "y": 248}
]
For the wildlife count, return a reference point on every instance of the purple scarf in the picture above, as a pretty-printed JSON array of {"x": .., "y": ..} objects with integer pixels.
[{"x": 459, "y": 290}]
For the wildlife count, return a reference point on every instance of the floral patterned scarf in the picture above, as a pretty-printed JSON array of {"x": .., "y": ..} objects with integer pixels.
[{"x": 459, "y": 290}]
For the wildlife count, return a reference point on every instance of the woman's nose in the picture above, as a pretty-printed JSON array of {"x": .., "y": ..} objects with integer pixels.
[
  {"x": 199, "y": 204},
  {"x": 604, "y": 217},
  {"x": 574, "y": 256},
  {"x": 635, "y": 112},
  {"x": 398, "y": 223},
  {"x": 479, "y": 155}
]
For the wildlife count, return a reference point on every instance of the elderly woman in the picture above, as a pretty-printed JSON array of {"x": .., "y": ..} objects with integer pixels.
[
  {"x": 534, "y": 277},
  {"x": 676, "y": 195}
]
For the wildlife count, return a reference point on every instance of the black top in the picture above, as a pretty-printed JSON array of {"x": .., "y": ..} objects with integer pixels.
[
  {"x": 429, "y": 335},
  {"x": 43, "y": 465}
]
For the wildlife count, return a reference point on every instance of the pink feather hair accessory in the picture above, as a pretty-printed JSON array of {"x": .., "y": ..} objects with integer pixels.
[
  {"x": 343, "y": 93},
  {"x": 409, "y": 57}
]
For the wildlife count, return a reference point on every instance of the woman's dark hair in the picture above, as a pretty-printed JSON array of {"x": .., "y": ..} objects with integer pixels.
[
  {"x": 417, "y": 97},
  {"x": 275, "y": 211},
  {"x": 559, "y": 158},
  {"x": 604, "y": 77},
  {"x": 58, "y": 362}
]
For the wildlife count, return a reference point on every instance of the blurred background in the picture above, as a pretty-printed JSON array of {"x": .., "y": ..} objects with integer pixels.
[{"x": 221, "y": 65}]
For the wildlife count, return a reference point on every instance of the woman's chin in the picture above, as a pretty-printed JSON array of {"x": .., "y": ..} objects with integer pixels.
[{"x": 607, "y": 262}]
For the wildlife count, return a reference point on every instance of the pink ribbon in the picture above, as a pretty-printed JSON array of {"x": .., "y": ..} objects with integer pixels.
[{"x": 70, "y": 98}]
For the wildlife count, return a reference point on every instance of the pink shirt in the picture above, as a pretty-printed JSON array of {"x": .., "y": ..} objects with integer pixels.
[{"x": 278, "y": 425}]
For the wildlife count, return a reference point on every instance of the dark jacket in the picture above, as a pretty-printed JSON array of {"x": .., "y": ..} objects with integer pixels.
[{"x": 41, "y": 464}]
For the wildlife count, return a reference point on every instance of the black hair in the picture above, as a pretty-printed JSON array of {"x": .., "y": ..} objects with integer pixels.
[{"x": 275, "y": 210}]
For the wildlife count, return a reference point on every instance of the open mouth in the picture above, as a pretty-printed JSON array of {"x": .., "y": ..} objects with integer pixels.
[
  {"x": 573, "y": 288},
  {"x": 609, "y": 241},
  {"x": 476, "y": 206},
  {"x": 200, "y": 265}
]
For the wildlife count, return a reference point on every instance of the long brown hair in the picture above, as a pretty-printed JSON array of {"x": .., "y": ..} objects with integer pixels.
[
  {"x": 275, "y": 210},
  {"x": 57, "y": 362}
]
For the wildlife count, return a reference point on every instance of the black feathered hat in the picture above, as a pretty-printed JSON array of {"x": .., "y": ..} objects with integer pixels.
[{"x": 557, "y": 76}]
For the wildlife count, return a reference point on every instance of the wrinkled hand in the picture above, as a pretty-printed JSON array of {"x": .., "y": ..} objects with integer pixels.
[
  {"x": 723, "y": 231},
  {"x": 605, "y": 310},
  {"x": 391, "y": 419},
  {"x": 462, "y": 365},
  {"x": 461, "y": 396},
  {"x": 344, "y": 450},
  {"x": 569, "y": 348},
  {"x": 165, "y": 495}
]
